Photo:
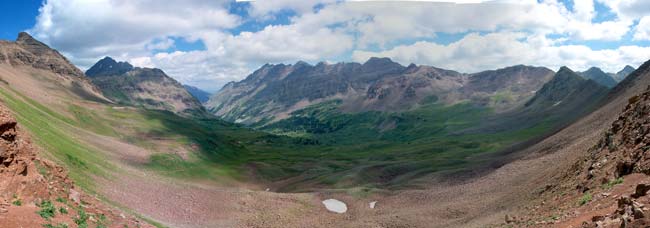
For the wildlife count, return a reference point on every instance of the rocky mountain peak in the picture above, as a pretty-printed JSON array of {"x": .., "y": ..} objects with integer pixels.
[
  {"x": 595, "y": 70},
  {"x": 377, "y": 61},
  {"x": 627, "y": 68},
  {"x": 566, "y": 74},
  {"x": 301, "y": 64},
  {"x": 25, "y": 39},
  {"x": 411, "y": 68},
  {"x": 564, "y": 70},
  {"x": 108, "y": 66},
  {"x": 599, "y": 76},
  {"x": 623, "y": 73}
]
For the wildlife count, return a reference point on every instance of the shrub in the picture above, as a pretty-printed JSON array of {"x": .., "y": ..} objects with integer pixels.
[
  {"x": 60, "y": 225},
  {"x": 82, "y": 219},
  {"x": 613, "y": 183},
  {"x": 47, "y": 209},
  {"x": 585, "y": 198}
]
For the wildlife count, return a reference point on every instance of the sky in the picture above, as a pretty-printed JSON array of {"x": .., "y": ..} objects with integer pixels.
[{"x": 208, "y": 43}]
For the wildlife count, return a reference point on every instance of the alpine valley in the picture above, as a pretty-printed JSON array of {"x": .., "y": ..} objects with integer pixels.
[{"x": 401, "y": 146}]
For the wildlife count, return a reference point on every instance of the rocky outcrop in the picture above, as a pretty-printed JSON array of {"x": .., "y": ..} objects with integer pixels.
[
  {"x": 19, "y": 166},
  {"x": 624, "y": 147},
  {"x": 147, "y": 87},
  {"x": 273, "y": 91}
]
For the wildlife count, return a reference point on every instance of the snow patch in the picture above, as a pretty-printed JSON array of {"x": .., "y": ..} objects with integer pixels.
[{"x": 335, "y": 206}]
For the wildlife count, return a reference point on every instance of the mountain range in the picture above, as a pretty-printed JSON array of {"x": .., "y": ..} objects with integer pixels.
[{"x": 274, "y": 91}]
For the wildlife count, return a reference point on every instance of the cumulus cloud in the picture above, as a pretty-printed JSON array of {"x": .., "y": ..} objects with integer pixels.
[
  {"x": 642, "y": 31},
  {"x": 87, "y": 29},
  {"x": 477, "y": 52}
]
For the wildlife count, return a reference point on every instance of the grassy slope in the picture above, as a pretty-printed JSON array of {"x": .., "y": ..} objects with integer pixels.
[{"x": 52, "y": 131}]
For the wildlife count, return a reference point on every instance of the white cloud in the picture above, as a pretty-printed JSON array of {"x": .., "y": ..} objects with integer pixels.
[
  {"x": 642, "y": 31},
  {"x": 481, "y": 52},
  {"x": 88, "y": 29},
  {"x": 265, "y": 9},
  {"x": 628, "y": 9}
]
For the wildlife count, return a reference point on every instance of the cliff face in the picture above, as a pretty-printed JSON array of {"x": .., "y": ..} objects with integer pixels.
[
  {"x": 274, "y": 91},
  {"x": 147, "y": 87}
]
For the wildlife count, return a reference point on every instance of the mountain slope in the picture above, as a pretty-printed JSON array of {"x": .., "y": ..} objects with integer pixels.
[
  {"x": 557, "y": 194},
  {"x": 561, "y": 101},
  {"x": 48, "y": 67},
  {"x": 599, "y": 76},
  {"x": 199, "y": 94},
  {"x": 274, "y": 91},
  {"x": 150, "y": 88}
]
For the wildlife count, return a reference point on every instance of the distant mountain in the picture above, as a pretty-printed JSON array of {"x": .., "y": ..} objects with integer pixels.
[
  {"x": 272, "y": 92},
  {"x": 199, "y": 94},
  {"x": 567, "y": 86},
  {"x": 623, "y": 73},
  {"x": 596, "y": 74},
  {"x": 561, "y": 101},
  {"x": 147, "y": 87}
]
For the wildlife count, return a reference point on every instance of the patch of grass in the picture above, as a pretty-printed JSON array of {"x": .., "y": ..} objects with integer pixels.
[
  {"x": 613, "y": 183},
  {"x": 47, "y": 209},
  {"x": 17, "y": 202},
  {"x": 60, "y": 225},
  {"x": 82, "y": 218},
  {"x": 63, "y": 210},
  {"x": 101, "y": 221},
  {"x": 586, "y": 198},
  {"x": 91, "y": 120}
]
